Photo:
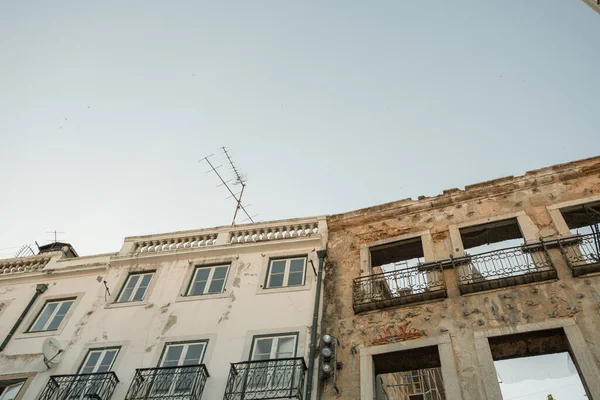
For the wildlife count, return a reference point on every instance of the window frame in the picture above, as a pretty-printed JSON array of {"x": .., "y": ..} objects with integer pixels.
[
  {"x": 20, "y": 384},
  {"x": 529, "y": 230},
  {"x": 11, "y": 379},
  {"x": 295, "y": 335},
  {"x": 595, "y": 205},
  {"x": 52, "y": 316},
  {"x": 136, "y": 287},
  {"x": 90, "y": 350},
  {"x": 398, "y": 243},
  {"x": 584, "y": 360},
  {"x": 182, "y": 342},
  {"x": 496, "y": 224},
  {"x": 365, "y": 248},
  {"x": 556, "y": 214},
  {"x": 288, "y": 259},
  {"x": 23, "y": 331},
  {"x": 213, "y": 268}
]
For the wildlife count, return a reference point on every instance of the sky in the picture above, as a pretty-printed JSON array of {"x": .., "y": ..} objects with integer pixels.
[
  {"x": 534, "y": 378},
  {"x": 106, "y": 107}
]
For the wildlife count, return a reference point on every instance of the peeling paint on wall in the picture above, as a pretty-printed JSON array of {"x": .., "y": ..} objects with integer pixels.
[{"x": 170, "y": 322}]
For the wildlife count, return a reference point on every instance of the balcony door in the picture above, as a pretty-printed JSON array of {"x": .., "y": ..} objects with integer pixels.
[
  {"x": 91, "y": 380},
  {"x": 172, "y": 381},
  {"x": 267, "y": 373}
]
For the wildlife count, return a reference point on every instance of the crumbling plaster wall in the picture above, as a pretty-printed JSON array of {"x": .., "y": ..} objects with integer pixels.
[{"x": 460, "y": 316}]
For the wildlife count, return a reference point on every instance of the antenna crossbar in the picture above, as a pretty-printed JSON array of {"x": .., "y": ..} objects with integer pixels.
[{"x": 238, "y": 179}]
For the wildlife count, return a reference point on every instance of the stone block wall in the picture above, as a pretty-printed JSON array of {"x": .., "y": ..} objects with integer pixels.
[{"x": 531, "y": 199}]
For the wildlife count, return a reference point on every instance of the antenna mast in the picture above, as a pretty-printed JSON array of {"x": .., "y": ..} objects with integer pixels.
[
  {"x": 55, "y": 233},
  {"x": 237, "y": 180}
]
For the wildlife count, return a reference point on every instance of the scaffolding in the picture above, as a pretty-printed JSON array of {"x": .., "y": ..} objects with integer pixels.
[{"x": 422, "y": 384}]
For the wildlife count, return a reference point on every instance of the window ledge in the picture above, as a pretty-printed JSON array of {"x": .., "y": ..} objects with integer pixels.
[
  {"x": 127, "y": 304},
  {"x": 30, "y": 335},
  {"x": 201, "y": 297},
  {"x": 263, "y": 290}
]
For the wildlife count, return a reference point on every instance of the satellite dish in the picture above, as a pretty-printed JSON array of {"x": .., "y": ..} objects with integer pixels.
[{"x": 52, "y": 351}]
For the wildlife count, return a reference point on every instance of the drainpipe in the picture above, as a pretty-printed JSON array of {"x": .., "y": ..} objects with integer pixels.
[
  {"x": 313, "y": 332},
  {"x": 39, "y": 289}
]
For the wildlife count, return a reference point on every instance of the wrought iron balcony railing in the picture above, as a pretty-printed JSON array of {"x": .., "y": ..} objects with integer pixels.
[
  {"x": 269, "y": 379},
  {"x": 402, "y": 286},
  {"x": 98, "y": 386},
  {"x": 582, "y": 253},
  {"x": 501, "y": 268},
  {"x": 177, "y": 383}
]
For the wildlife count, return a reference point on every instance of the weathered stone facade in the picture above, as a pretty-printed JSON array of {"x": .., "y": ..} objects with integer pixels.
[
  {"x": 594, "y": 4},
  {"x": 535, "y": 200}
]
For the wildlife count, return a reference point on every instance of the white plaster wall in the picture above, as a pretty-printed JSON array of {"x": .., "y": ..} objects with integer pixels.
[{"x": 228, "y": 321}]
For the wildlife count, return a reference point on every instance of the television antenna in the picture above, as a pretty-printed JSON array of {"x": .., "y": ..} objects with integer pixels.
[
  {"x": 55, "y": 233},
  {"x": 25, "y": 251},
  {"x": 238, "y": 180}
]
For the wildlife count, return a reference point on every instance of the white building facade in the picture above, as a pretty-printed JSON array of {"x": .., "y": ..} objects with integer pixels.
[{"x": 223, "y": 313}]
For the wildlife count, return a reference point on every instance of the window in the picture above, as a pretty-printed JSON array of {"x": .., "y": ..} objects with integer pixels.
[
  {"x": 583, "y": 254},
  {"x": 397, "y": 262},
  {"x": 286, "y": 272},
  {"x": 490, "y": 237},
  {"x": 397, "y": 255},
  {"x": 273, "y": 347},
  {"x": 10, "y": 390},
  {"x": 184, "y": 353},
  {"x": 99, "y": 360},
  {"x": 174, "y": 382},
  {"x": 583, "y": 219},
  {"x": 208, "y": 280},
  {"x": 268, "y": 373},
  {"x": 495, "y": 257},
  {"x": 135, "y": 288},
  {"x": 51, "y": 315}
]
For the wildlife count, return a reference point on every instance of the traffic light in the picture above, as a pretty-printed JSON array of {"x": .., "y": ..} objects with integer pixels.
[{"x": 328, "y": 356}]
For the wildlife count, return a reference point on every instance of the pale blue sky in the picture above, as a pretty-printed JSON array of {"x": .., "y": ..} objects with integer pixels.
[{"x": 327, "y": 107}]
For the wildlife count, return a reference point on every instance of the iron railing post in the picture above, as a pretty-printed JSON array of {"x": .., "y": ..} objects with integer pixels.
[
  {"x": 565, "y": 255},
  {"x": 292, "y": 379},
  {"x": 245, "y": 381},
  {"x": 547, "y": 254},
  {"x": 456, "y": 273}
]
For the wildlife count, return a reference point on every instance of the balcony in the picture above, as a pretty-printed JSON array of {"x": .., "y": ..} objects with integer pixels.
[
  {"x": 394, "y": 288},
  {"x": 502, "y": 268},
  {"x": 177, "y": 383},
  {"x": 582, "y": 253},
  {"x": 269, "y": 379},
  {"x": 98, "y": 386}
]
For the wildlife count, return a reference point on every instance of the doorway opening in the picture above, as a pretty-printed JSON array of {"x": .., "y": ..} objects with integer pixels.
[
  {"x": 409, "y": 375},
  {"x": 537, "y": 366}
]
